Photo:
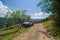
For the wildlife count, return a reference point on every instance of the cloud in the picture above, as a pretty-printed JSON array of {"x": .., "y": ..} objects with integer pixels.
[
  {"x": 40, "y": 15},
  {"x": 3, "y": 9}
]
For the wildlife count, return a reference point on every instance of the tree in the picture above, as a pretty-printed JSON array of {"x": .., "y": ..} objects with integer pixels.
[
  {"x": 7, "y": 19},
  {"x": 28, "y": 17},
  {"x": 51, "y": 6},
  {"x": 16, "y": 17},
  {"x": 45, "y": 5}
]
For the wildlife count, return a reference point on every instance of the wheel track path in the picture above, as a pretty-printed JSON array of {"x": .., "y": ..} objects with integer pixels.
[{"x": 37, "y": 32}]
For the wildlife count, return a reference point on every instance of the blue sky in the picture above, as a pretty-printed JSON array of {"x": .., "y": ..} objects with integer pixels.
[{"x": 29, "y": 5}]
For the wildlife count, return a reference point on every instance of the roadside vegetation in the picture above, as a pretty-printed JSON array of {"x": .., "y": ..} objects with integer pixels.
[
  {"x": 52, "y": 29},
  {"x": 12, "y": 24},
  {"x": 14, "y": 33}
]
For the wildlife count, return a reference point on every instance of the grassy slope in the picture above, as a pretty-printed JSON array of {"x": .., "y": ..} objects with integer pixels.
[
  {"x": 55, "y": 31},
  {"x": 14, "y": 34}
]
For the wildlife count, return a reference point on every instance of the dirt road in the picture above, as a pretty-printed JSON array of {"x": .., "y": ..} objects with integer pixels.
[{"x": 37, "y": 32}]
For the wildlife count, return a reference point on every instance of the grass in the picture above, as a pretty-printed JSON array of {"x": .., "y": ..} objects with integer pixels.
[
  {"x": 54, "y": 31},
  {"x": 5, "y": 32},
  {"x": 14, "y": 34}
]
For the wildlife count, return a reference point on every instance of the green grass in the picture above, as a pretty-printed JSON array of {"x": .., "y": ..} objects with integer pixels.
[
  {"x": 54, "y": 31},
  {"x": 4, "y": 32},
  {"x": 14, "y": 34}
]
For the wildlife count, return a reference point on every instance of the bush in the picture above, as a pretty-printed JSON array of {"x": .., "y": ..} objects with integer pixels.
[{"x": 53, "y": 30}]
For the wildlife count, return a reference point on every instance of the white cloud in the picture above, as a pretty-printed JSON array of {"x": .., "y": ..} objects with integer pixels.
[
  {"x": 40, "y": 15},
  {"x": 3, "y": 9}
]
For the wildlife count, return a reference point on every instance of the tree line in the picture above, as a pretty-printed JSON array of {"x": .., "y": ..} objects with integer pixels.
[{"x": 16, "y": 17}]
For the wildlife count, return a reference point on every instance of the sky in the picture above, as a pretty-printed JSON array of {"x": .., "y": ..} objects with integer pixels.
[{"x": 29, "y": 5}]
